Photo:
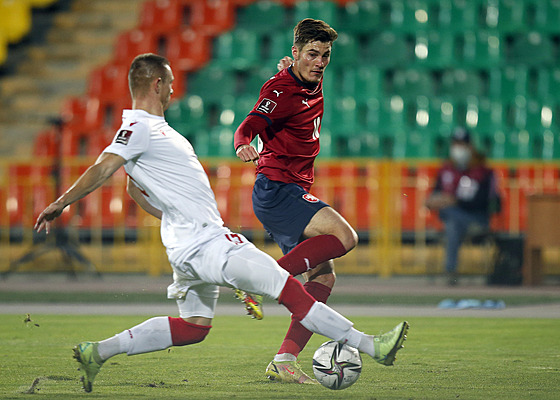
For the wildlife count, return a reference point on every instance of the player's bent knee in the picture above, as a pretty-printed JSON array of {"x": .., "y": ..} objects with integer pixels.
[{"x": 184, "y": 333}]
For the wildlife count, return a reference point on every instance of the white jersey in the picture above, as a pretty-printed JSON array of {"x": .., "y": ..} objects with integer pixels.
[{"x": 163, "y": 164}]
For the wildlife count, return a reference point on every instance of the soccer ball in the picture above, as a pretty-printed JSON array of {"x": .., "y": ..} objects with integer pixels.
[{"x": 336, "y": 365}]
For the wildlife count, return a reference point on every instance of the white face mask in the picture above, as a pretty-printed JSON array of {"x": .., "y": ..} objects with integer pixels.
[{"x": 460, "y": 155}]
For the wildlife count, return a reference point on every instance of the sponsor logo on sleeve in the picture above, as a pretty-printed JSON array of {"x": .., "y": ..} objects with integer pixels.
[
  {"x": 123, "y": 136},
  {"x": 310, "y": 198},
  {"x": 266, "y": 106}
]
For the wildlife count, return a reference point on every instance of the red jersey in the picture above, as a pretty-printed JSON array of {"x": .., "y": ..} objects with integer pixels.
[{"x": 287, "y": 117}]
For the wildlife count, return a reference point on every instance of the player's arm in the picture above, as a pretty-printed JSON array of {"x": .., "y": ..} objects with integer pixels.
[
  {"x": 245, "y": 133},
  {"x": 284, "y": 63},
  {"x": 136, "y": 194},
  {"x": 91, "y": 179}
]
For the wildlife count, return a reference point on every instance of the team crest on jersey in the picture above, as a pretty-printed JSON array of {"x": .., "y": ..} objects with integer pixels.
[
  {"x": 310, "y": 198},
  {"x": 266, "y": 106},
  {"x": 123, "y": 136}
]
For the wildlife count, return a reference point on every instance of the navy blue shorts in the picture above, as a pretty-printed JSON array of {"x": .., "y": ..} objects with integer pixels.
[{"x": 284, "y": 209}]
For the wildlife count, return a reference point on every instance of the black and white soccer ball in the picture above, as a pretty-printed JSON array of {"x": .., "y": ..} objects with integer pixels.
[{"x": 337, "y": 366}]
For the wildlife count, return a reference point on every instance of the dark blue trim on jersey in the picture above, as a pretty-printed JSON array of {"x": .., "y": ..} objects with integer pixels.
[
  {"x": 310, "y": 86},
  {"x": 268, "y": 120}
]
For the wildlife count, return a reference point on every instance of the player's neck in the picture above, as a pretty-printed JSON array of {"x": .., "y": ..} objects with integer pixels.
[{"x": 148, "y": 105}]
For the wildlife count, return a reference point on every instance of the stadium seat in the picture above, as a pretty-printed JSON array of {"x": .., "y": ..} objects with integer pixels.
[
  {"x": 187, "y": 115},
  {"x": 161, "y": 16},
  {"x": 460, "y": 83},
  {"x": 211, "y": 17},
  {"x": 212, "y": 83},
  {"x": 188, "y": 49},
  {"x": 480, "y": 49},
  {"x": 547, "y": 16},
  {"x": 341, "y": 116},
  {"x": 276, "y": 46},
  {"x": 45, "y": 144},
  {"x": 434, "y": 50},
  {"x": 131, "y": 43},
  {"x": 361, "y": 83},
  {"x": 533, "y": 49},
  {"x": 345, "y": 48},
  {"x": 548, "y": 83},
  {"x": 411, "y": 16},
  {"x": 323, "y": 10},
  {"x": 262, "y": 16},
  {"x": 412, "y": 83},
  {"x": 15, "y": 19},
  {"x": 3, "y": 47},
  {"x": 109, "y": 82},
  {"x": 485, "y": 116},
  {"x": 221, "y": 142},
  {"x": 238, "y": 49},
  {"x": 252, "y": 80},
  {"x": 360, "y": 17},
  {"x": 507, "y": 82},
  {"x": 387, "y": 50},
  {"x": 455, "y": 16},
  {"x": 506, "y": 16}
]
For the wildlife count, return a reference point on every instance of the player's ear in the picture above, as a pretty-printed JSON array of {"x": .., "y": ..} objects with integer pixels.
[
  {"x": 158, "y": 83},
  {"x": 294, "y": 53}
]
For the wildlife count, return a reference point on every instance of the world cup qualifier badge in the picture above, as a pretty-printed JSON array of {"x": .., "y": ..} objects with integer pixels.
[
  {"x": 310, "y": 198},
  {"x": 266, "y": 106},
  {"x": 123, "y": 136}
]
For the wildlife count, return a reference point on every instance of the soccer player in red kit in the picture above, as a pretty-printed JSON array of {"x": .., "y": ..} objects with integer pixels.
[{"x": 287, "y": 118}]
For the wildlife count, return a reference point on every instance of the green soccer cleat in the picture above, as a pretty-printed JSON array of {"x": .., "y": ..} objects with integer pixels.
[
  {"x": 288, "y": 372},
  {"x": 90, "y": 362},
  {"x": 253, "y": 303},
  {"x": 387, "y": 345}
]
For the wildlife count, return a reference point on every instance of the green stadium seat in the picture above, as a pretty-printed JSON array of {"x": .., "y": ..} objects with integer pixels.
[
  {"x": 480, "y": 50},
  {"x": 238, "y": 49},
  {"x": 412, "y": 83},
  {"x": 411, "y": 16},
  {"x": 435, "y": 50},
  {"x": 187, "y": 115},
  {"x": 533, "y": 49},
  {"x": 276, "y": 46},
  {"x": 506, "y": 16},
  {"x": 361, "y": 83},
  {"x": 460, "y": 83},
  {"x": 360, "y": 17},
  {"x": 341, "y": 116},
  {"x": 550, "y": 144},
  {"x": 547, "y": 16},
  {"x": 388, "y": 50},
  {"x": 455, "y": 16},
  {"x": 262, "y": 16},
  {"x": 385, "y": 115},
  {"x": 253, "y": 79},
  {"x": 345, "y": 48},
  {"x": 221, "y": 142},
  {"x": 548, "y": 83},
  {"x": 212, "y": 83},
  {"x": 485, "y": 115},
  {"x": 323, "y": 10},
  {"x": 508, "y": 82}
]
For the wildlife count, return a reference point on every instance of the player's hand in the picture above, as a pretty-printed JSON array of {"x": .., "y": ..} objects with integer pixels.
[
  {"x": 48, "y": 214},
  {"x": 247, "y": 153},
  {"x": 284, "y": 63}
]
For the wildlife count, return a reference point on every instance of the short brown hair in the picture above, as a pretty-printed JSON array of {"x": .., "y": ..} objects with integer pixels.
[
  {"x": 144, "y": 69},
  {"x": 310, "y": 30}
]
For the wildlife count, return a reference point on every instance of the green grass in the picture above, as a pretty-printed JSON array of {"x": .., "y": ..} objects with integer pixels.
[{"x": 444, "y": 358}]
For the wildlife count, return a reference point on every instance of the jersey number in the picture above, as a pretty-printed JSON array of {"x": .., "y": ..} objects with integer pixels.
[{"x": 235, "y": 238}]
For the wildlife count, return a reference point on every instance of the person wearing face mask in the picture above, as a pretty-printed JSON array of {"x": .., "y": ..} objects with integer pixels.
[{"x": 465, "y": 195}]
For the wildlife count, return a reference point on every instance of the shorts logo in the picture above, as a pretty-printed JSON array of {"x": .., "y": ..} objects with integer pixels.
[
  {"x": 310, "y": 198},
  {"x": 123, "y": 136},
  {"x": 266, "y": 106}
]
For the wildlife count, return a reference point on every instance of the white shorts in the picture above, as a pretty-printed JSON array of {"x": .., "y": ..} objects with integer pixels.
[{"x": 228, "y": 260}]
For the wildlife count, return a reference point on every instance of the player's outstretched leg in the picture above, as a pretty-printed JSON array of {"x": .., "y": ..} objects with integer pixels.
[
  {"x": 288, "y": 372},
  {"x": 387, "y": 345},
  {"x": 253, "y": 303},
  {"x": 87, "y": 355}
]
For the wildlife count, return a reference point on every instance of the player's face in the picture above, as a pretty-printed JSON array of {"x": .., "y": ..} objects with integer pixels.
[
  {"x": 310, "y": 62},
  {"x": 167, "y": 89}
]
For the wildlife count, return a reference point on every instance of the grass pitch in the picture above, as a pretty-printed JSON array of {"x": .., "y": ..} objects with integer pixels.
[{"x": 443, "y": 358}]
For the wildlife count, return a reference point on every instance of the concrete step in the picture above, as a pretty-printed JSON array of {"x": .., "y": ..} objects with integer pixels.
[
  {"x": 95, "y": 20},
  {"x": 121, "y": 7},
  {"x": 70, "y": 51}
]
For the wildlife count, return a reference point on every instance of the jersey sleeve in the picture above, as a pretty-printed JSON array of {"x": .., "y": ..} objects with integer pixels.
[
  {"x": 276, "y": 102},
  {"x": 130, "y": 141}
]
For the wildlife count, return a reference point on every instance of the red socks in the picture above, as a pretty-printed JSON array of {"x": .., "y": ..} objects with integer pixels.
[
  {"x": 312, "y": 252},
  {"x": 183, "y": 333},
  {"x": 297, "y": 336}
]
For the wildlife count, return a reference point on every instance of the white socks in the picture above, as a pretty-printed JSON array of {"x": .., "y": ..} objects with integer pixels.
[
  {"x": 285, "y": 357},
  {"x": 151, "y": 335},
  {"x": 327, "y": 322}
]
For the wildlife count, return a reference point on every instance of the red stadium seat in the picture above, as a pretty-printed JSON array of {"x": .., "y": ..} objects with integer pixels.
[
  {"x": 45, "y": 144},
  {"x": 161, "y": 16},
  {"x": 109, "y": 82},
  {"x": 188, "y": 49},
  {"x": 131, "y": 43},
  {"x": 212, "y": 16}
]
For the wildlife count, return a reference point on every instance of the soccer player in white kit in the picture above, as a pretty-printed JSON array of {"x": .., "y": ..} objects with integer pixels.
[{"x": 167, "y": 180}]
